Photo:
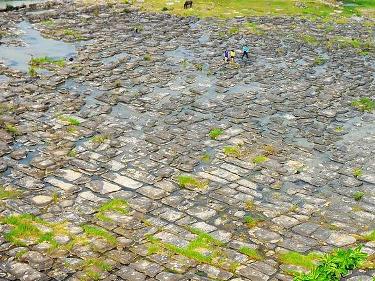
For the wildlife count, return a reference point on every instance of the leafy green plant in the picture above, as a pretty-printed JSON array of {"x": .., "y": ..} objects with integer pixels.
[
  {"x": 358, "y": 195},
  {"x": 215, "y": 133},
  {"x": 357, "y": 172},
  {"x": 335, "y": 265},
  {"x": 192, "y": 182},
  {"x": 364, "y": 104}
]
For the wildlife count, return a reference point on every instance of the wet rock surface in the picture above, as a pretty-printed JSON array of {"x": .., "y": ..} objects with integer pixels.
[{"x": 133, "y": 110}]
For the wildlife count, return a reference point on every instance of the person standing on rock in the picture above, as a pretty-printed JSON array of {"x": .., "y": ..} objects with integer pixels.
[
  {"x": 245, "y": 50},
  {"x": 226, "y": 56},
  {"x": 232, "y": 55}
]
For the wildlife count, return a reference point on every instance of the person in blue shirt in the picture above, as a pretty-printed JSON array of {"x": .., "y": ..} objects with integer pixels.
[
  {"x": 245, "y": 50},
  {"x": 226, "y": 56}
]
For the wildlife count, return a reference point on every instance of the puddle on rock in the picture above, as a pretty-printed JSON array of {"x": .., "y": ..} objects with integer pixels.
[{"x": 35, "y": 45}]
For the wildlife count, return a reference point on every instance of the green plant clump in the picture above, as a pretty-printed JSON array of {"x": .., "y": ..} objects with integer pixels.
[
  {"x": 215, "y": 133},
  {"x": 251, "y": 221},
  {"x": 70, "y": 120},
  {"x": 232, "y": 151},
  {"x": 204, "y": 249},
  {"x": 9, "y": 193},
  {"x": 91, "y": 230},
  {"x": 115, "y": 205},
  {"x": 11, "y": 129},
  {"x": 192, "y": 182},
  {"x": 93, "y": 267},
  {"x": 364, "y": 104},
  {"x": 147, "y": 57},
  {"x": 370, "y": 236},
  {"x": 358, "y": 195},
  {"x": 99, "y": 138},
  {"x": 335, "y": 265},
  {"x": 43, "y": 61},
  {"x": 310, "y": 40},
  {"x": 72, "y": 153},
  {"x": 73, "y": 33},
  {"x": 319, "y": 60},
  {"x": 32, "y": 72},
  {"x": 259, "y": 159},
  {"x": 357, "y": 172},
  {"x": 251, "y": 253},
  {"x": 24, "y": 228},
  {"x": 294, "y": 258}
]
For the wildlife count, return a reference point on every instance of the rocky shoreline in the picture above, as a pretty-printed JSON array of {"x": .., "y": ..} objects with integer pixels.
[{"x": 95, "y": 149}]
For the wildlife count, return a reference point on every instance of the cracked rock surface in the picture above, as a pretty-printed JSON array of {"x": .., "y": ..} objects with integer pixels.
[{"x": 92, "y": 152}]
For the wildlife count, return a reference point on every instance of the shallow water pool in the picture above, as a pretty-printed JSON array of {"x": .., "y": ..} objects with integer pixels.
[{"x": 35, "y": 45}]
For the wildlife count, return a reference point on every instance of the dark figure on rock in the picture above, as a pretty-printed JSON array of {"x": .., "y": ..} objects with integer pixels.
[{"x": 188, "y": 4}]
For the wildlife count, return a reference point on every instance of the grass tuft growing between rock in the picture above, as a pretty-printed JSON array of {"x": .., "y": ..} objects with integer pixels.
[
  {"x": 191, "y": 182},
  {"x": 232, "y": 151},
  {"x": 44, "y": 61},
  {"x": 25, "y": 229},
  {"x": 358, "y": 195},
  {"x": 94, "y": 231},
  {"x": 364, "y": 104},
  {"x": 357, "y": 172},
  {"x": 9, "y": 193},
  {"x": 10, "y": 128},
  {"x": 334, "y": 265},
  {"x": 260, "y": 159},
  {"x": 117, "y": 205},
  {"x": 99, "y": 138},
  {"x": 204, "y": 249},
  {"x": 251, "y": 221},
  {"x": 215, "y": 133},
  {"x": 294, "y": 258},
  {"x": 70, "y": 120},
  {"x": 251, "y": 253},
  {"x": 94, "y": 267},
  {"x": 370, "y": 236}
]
